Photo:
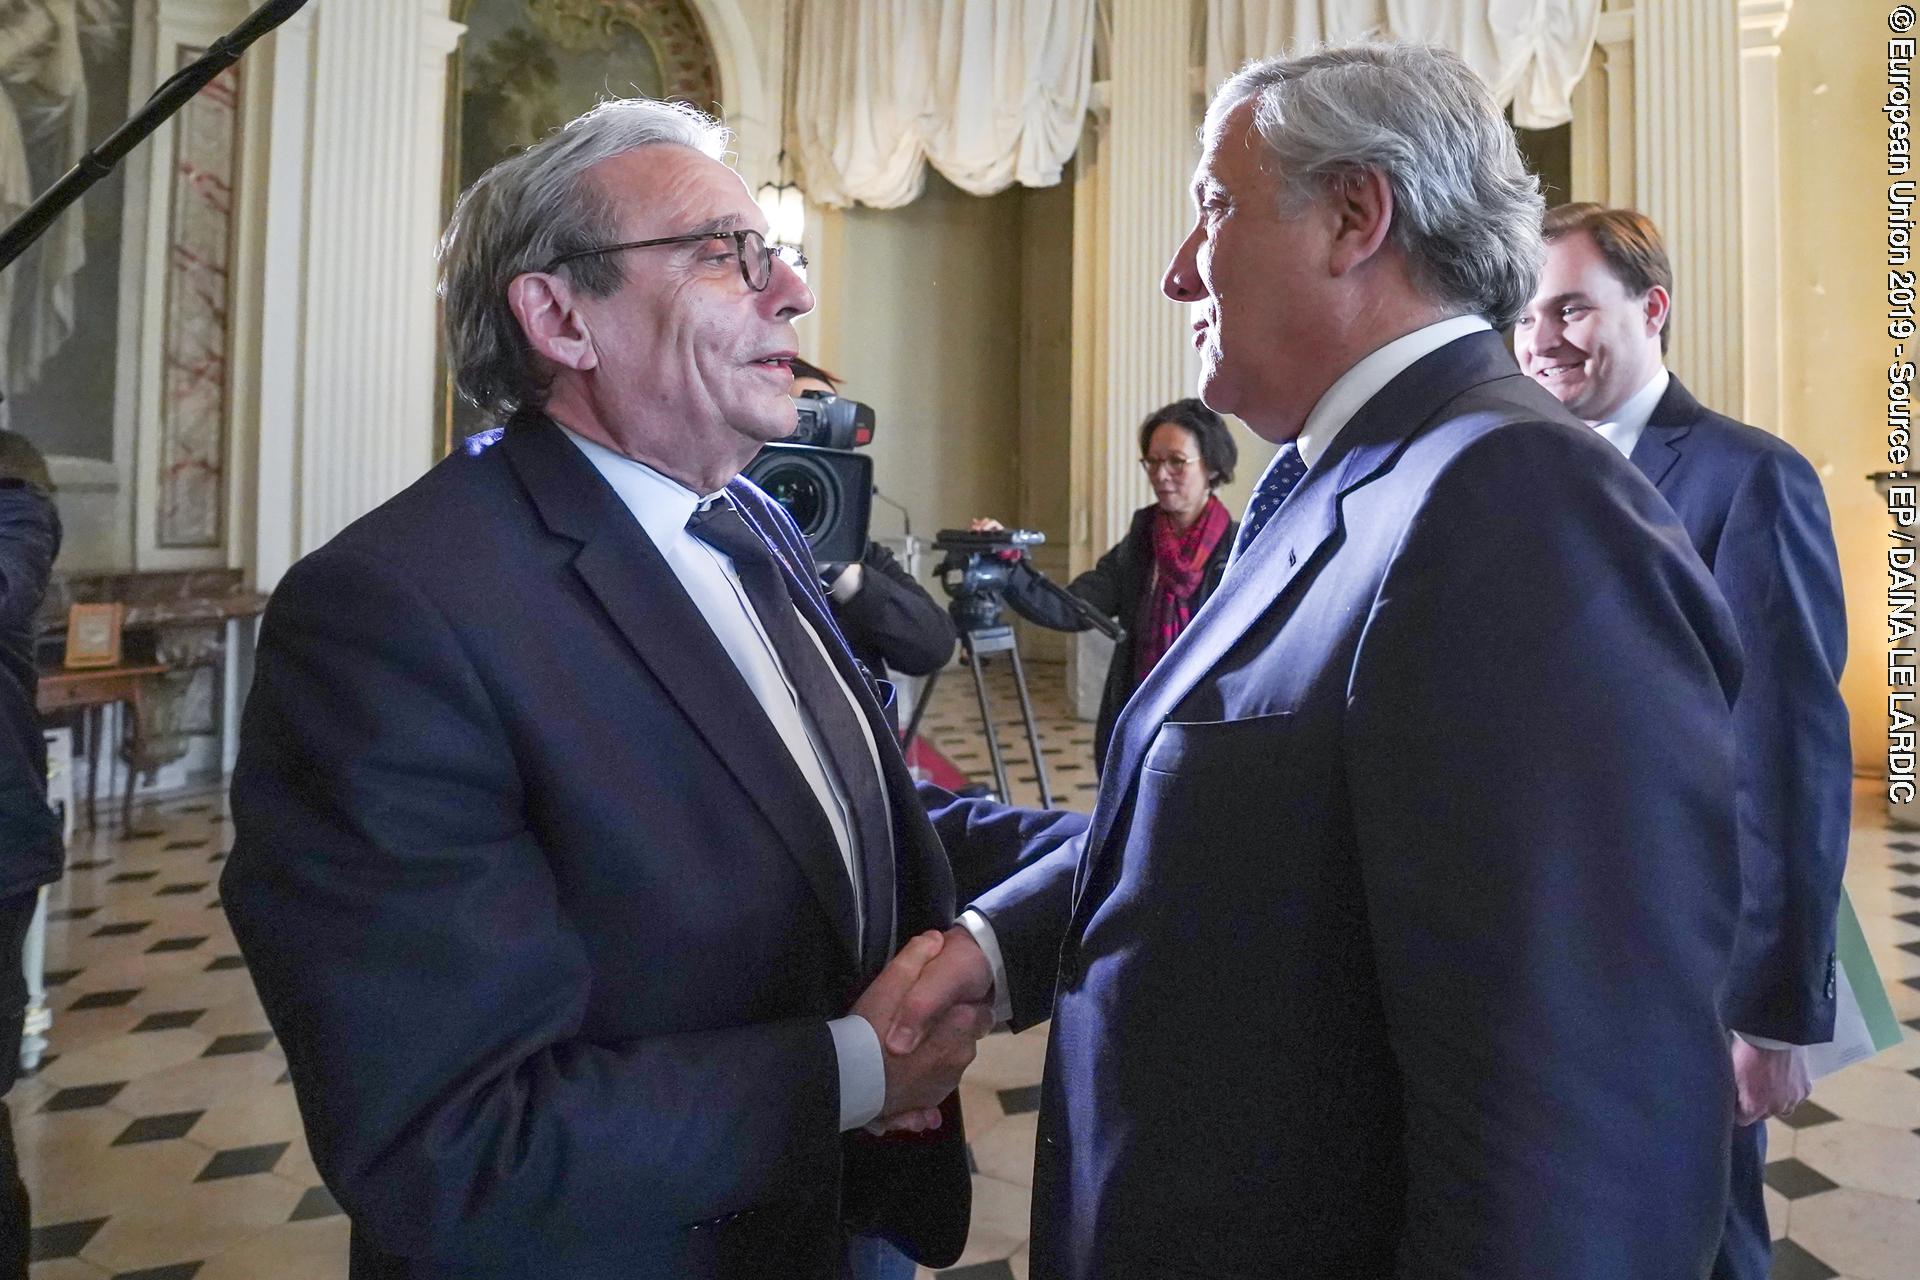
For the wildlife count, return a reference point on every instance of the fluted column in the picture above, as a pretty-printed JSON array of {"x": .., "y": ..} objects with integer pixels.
[
  {"x": 1688, "y": 178},
  {"x": 1761, "y": 24},
  {"x": 1603, "y": 116},
  {"x": 375, "y": 171},
  {"x": 1149, "y": 152},
  {"x": 281, "y": 217},
  {"x": 351, "y": 214}
]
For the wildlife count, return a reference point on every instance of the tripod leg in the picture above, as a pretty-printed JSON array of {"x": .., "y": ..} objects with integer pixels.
[
  {"x": 986, "y": 723},
  {"x": 920, "y": 706},
  {"x": 1033, "y": 734}
]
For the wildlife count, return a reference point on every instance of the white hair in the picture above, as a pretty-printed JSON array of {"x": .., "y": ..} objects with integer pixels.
[{"x": 1466, "y": 210}]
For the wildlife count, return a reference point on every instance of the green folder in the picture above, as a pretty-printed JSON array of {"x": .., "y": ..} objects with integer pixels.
[{"x": 1863, "y": 1021}]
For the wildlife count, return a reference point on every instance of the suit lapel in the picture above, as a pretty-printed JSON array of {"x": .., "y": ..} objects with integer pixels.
[
  {"x": 644, "y": 599},
  {"x": 1288, "y": 549},
  {"x": 1658, "y": 448}
]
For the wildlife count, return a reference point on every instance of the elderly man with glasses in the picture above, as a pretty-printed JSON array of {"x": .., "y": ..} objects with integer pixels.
[{"x": 575, "y": 863}]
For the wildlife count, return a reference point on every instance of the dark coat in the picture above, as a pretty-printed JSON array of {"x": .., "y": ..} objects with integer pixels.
[
  {"x": 892, "y": 621},
  {"x": 543, "y": 911},
  {"x": 1396, "y": 942},
  {"x": 1115, "y": 586},
  {"x": 32, "y": 852},
  {"x": 1757, "y": 515}
]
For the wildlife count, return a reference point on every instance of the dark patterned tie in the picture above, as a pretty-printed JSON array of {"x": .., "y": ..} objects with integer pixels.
[
  {"x": 824, "y": 700},
  {"x": 1280, "y": 479}
]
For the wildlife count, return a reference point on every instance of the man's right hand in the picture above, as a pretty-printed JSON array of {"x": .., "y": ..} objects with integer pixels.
[
  {"x": 919, "y": 1079},
  {"x": 957, "y": 976}
]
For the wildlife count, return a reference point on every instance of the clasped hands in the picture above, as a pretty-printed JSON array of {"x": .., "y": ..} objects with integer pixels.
[{"x": 930, "y": 1006}]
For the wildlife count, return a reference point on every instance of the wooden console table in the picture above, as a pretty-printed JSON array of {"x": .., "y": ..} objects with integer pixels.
[{"x": 84, "y": 695}]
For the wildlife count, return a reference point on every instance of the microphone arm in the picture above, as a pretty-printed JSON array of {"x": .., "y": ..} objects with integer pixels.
[{"x": 167, "y": 99}]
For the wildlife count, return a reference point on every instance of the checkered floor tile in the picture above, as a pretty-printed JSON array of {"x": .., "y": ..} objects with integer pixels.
[{"x": 164, "y": 1084}]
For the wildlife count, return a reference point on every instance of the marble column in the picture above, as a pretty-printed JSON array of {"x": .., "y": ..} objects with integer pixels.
[
  {"x": 1761, "y": 24},
  {"x": 352, "y": 211},
  {"x": 1603, "y": 116},
  {"x": 1148, "y": 151},
  {"x": 1688, "y": 176}
]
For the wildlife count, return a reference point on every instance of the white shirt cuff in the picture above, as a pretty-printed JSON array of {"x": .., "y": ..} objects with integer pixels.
[
  {"x": 976, "y": 924},
  {"x": 863, "y": 1071},
  {"x": 1761, "y": 1042}
]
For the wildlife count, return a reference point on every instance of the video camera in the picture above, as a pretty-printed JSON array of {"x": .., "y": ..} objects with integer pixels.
[
  {"x": 978, "y": 567},
  {"x": 814, "y": 473},
  {"x": 976, "y": 570}
]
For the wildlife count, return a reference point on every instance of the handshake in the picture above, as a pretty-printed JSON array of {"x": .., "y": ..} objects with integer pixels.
[{"x": 930, "y": 1006}]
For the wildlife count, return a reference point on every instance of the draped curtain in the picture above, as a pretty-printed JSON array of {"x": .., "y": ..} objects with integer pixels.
[
  {"x": 993, "y": 92},
  {"x": 990, "y": 92},
  {"x": 1531, "y": 53}
]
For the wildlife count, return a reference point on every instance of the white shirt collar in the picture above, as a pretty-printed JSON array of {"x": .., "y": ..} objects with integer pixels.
[
  {"x": 1374, "y": 371},
  {"x": 661, "y": 505},
  {"x": 1624, "y": 429}
]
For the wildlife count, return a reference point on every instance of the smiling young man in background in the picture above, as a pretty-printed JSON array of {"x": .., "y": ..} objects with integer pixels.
[{"x": 1595, "y": 334}]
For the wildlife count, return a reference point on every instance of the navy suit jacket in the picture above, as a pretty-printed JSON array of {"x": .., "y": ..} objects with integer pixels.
[
  {"x": 32, "y": 846},
  {"x": 1755, "y": 512},
  {"x": 1395, "y": 945},
  {"x": 545, "y": 915}
]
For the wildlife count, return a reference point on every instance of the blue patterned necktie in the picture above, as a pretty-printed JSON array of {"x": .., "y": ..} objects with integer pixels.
[{"x": 1283, "y": 474}]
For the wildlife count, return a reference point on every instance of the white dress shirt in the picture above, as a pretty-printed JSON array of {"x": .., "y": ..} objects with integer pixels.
[
  {"x": 1624, "y": 429},
  {"x": 1369, "y": 377},
  {"x": 663, "y": 507},
  {"x": 1349, "y": 392}
]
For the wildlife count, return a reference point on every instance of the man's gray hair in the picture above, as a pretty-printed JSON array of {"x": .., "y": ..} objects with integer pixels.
[
  {"x": 1466, "y": 211},
  {"x": 528, "y": 210}
]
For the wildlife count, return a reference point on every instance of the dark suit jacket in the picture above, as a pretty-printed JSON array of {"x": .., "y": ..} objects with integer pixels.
[
  {"x": 1396, "y": 943},
  {"x": 32, "y": 850},
  {"x": 891, "y": 621},
  {"x": 546, "y": 917},
  {"x": 1114, "y": 586},
  {"x": 1756, "y": 513}
]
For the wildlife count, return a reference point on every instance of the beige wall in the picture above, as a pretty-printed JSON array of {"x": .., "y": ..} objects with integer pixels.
[
  {"x": 919, "y": 312},
  {"x": 953, "y": 318},
  {"x": 1832, "y": 217}
]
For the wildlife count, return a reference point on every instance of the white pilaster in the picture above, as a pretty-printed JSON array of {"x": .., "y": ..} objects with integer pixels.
[
  {"x": 1688, "y": 179},
  {"x": 1761, "y": 24},
  {"x": 1149, "y": 153},
  {"x": 281, "y": 219},
  {"x": 1603, "y": 116},
  {"x": 373, "y": 181}
]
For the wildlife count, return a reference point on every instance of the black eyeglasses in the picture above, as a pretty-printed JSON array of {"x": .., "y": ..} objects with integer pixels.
[{"x": 755, "y": 254}]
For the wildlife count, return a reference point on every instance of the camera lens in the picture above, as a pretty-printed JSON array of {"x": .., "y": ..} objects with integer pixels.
[{"x": 805, "y": 490}]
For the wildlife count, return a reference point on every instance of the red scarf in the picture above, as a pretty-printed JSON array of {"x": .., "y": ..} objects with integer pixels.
[{"x": 1179, "y": 566}]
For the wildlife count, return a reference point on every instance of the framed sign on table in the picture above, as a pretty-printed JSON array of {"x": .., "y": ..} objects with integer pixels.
[{"x": 93, "y": 635}]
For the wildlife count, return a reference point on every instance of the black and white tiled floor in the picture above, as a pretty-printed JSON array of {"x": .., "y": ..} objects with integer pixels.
[{"x": 160, "y": 1140}]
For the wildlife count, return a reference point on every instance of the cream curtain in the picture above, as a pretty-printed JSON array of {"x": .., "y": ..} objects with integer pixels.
[
  {"x": 990, "y": 92},
  {"x": 1530, "y": 52}
]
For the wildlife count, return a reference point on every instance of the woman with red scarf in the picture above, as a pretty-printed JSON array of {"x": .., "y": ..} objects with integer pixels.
[{"x": 1166, "y": 567}]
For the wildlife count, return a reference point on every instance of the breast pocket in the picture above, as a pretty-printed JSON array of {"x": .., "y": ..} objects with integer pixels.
[{"x": 1190, "y": 746}]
